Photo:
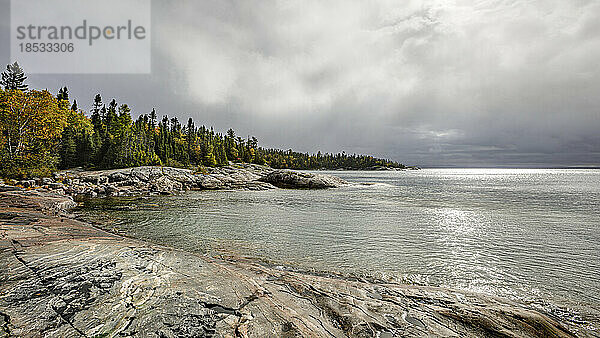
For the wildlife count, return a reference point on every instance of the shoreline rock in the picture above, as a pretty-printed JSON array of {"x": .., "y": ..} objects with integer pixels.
[
  {"x": 288, "y": 179},
  {"x": 63, "y": 277},
  {"x": 168, "y": 180}
]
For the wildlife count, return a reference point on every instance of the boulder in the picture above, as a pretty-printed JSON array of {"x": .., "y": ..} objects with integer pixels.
[{"x": 288, "y": 179}]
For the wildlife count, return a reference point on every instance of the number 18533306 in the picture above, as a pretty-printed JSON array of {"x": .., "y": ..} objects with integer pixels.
[{"x": 46, "y": 47}]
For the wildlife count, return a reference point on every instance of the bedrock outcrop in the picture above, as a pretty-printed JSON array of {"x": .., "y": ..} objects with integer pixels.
[
  {"x": 167, "y": 180},
  {"x": 288, "y": 179},
  {"x": 61, "y": 277}
]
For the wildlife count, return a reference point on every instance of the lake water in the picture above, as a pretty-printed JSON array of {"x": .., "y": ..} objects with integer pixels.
[{"x": 527, "y": 234}]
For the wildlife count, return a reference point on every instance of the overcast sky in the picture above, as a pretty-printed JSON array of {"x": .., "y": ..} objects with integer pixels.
[{"x": 458, "y": 83}]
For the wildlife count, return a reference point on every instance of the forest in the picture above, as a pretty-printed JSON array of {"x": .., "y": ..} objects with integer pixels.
[{"x": 41, "y": 132}]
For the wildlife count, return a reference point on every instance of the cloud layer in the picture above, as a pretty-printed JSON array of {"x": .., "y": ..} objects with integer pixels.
[{"x": 481, "y": 82}]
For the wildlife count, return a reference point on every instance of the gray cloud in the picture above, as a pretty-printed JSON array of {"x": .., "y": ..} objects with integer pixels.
[{"x": 429, "y": 82}]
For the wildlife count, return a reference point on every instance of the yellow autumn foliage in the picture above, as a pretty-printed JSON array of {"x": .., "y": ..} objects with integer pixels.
[{"x": 31, "y": 124}]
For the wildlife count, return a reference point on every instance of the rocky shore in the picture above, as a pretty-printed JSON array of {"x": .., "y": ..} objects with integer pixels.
[
  {"x": 62, "y": 277},
  {"x": 167, "y": 180}
]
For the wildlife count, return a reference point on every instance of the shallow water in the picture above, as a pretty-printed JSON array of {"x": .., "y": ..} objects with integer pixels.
[{"x": 527, "y": 234}]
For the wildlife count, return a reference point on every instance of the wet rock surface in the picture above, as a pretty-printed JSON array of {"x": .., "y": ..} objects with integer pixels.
[{"x": 64, "y": 278}]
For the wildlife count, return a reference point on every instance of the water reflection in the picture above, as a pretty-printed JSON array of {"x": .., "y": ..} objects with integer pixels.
[{"x": 527, "y": 234}]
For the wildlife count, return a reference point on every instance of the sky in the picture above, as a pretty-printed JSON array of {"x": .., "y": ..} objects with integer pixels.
[{"x": 478, "y": 83}]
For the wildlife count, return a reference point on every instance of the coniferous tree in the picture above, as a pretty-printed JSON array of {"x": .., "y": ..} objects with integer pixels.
[
  {"x": 86, "y": 148},
  {"x": 63, "y": 94},
  {"x": 97, "y": 104},
  {"x": 230, "y": 146},
  {"x": 190, "y": 136},
  {"x": 153, "y": 117},
  {"x": 13, "y": 78},
  {"x": 68, "y": 149},
  {"x": 110, "y": 138},
  {"x": 63, "y": 98},
  {"x": 97, "y": 122}
]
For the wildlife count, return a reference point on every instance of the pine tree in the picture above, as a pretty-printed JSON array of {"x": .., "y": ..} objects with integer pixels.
[
  {"x": 63, "y": 98},
  {"x": 13, "y": 78},
  {"x": 74, "y": 106},
  {"x": 230, "y": 146},
  {"x": 97, "y": 104},
  {"x": 63, "y": 94},
  {"x": 153, "y": 118},
  {"x": 190, "y": 136}
]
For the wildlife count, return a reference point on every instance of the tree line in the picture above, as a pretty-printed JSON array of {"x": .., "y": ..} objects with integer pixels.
[
  {"x": 41, "y": 132},
  {"x": 288, "y": 159}
]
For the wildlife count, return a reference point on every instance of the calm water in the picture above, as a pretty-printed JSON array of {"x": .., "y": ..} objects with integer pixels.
[{"x": 528, "y": 234}]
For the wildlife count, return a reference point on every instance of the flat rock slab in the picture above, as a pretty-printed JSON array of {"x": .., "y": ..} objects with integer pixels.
[{"x": 64, "y": 278}]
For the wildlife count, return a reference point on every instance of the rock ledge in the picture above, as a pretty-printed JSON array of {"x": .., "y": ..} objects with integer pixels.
[
  {"x": 167, "y": 180},
  {"x": 60, "y": 277}
]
